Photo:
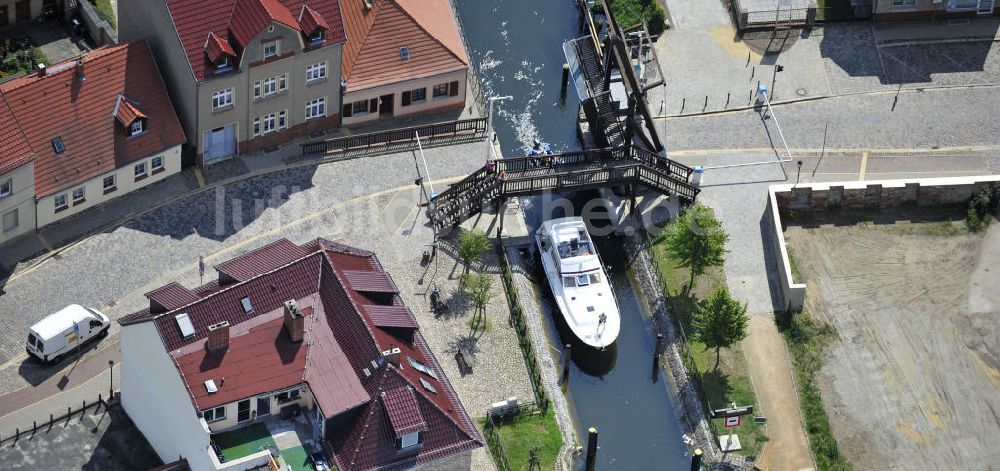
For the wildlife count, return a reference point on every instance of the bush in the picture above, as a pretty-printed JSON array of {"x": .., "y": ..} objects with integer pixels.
[{"x": 633, "y": 12}]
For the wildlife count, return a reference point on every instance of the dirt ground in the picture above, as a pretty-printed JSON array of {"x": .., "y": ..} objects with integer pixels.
[{"x": 913, "y": 380}]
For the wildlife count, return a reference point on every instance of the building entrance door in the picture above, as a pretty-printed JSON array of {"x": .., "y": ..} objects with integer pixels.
[
  {"x": 4, "y": 18},
  {"x": 220, "y": 143},
  {"x": 385, "y": 105},
  {"x": 263, "y": 406},
  {"x": 22, "y": 10}
]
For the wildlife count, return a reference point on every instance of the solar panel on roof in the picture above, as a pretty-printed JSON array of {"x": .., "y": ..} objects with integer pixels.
[
  {"x": 428, "y": 386},
  {"x": 58, "y": 146},
  {"x": 421, "y": 367},
  {"x": 184, "y": 323}
]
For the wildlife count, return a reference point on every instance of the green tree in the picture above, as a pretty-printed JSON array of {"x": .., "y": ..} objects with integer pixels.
[
  {"x": 471, "y": 246},
  {"x": 720, "y": 322},
  {"x": 696, "y": 241},
  {"x": 479, "y": 289}
]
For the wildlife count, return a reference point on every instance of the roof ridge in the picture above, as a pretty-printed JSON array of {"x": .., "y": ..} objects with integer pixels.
[
  {"x": 428, "y": 33},
  {"x": 226, "y": 289},
  {"x": 376, "y": 399},
  {"x": 63, "y": 66}
]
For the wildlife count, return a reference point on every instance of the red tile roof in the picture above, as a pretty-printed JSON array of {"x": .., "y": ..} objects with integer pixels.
[
  {"x": 374, "y": 36},
  {"x": 251, "y": 16},
  {"x": 403, "y": 411},
  {"x": 194, "y": 19},
  {"x": 16, "y": 151},
  {"x": 172, "y": 296},
  {"x": 216, "y": 47},
  {"x": 390, "y": 316},
  {"x": 80, "y": 113},
  {"x": 309, "y": 20},
  {"x": 278, "y": 253},
  {"x": 370, "y": 281},
  {"x": 126, "y": 111},
  {"x": 342, "y": 341},
  {"x": 261, "y": 360}
]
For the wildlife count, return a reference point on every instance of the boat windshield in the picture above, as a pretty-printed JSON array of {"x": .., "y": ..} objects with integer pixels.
[
  {"x": 574, "y": 248},
  {"x": 582, "y": 280}
]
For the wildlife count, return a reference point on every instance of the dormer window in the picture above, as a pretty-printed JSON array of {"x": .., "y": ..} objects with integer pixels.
[
  {"x": 222, "y": 64},
  {"x": 317, "y": 36},
  {"x": 409, "y": 440},
  {"x": 271, "y": 49},
  {"x": 137, "y": 128}
]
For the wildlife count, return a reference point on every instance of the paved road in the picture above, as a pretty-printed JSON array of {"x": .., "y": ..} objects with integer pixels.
[{"x": 928, "y": 119}]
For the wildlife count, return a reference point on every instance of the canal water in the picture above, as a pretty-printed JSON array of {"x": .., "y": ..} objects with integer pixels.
[{"x": 516, "y": 48}]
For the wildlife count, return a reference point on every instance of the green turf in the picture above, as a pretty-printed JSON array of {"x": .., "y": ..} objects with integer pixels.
[
  {"x": 297, "y": 458},
  {"x": 243, "y": 442},
  {"x": 525, "y": 432}
]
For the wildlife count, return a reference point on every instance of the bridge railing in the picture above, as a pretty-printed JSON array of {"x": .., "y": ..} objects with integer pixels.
[
  {"x": 470, "y": 128},
  {"x": 677, "y": 169},
  {"x": 557, "y": 161}
]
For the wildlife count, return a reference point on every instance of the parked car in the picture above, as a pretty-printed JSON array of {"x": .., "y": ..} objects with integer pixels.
[{"x": 59, "y": 334}]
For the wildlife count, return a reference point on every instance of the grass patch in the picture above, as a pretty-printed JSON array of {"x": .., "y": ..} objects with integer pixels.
[
  {"x": 806, "y": 340},
  {"x": 298, "y": 458},
  {"x": 946, "y": 228},
  {"x": 731, "y": 382},
  {"x": 104, "y": 10},
  {"x": 242, "y": 442},
  {"x": 479, "y": 324},
  {"x": 525, "y": 432},
  {"x": 796, "y": 274}
]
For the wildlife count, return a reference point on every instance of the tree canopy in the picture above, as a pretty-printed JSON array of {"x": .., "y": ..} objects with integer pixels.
[
  {"x": 721, "y": 322},
  {"x": 696, "y": 240},
  {"x": 472, "y": 245}
]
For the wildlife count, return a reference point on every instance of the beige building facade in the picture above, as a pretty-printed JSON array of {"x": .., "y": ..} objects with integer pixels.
[
  {"x": 931, "y": 9},
  {"x": 17, "y": 202},
  {"x": 429, "y": 94}
]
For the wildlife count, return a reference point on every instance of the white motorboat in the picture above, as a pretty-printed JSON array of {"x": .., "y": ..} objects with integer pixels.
[{"x": 578, "y": 281}]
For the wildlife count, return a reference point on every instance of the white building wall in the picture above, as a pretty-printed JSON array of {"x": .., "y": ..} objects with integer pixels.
[
  {"x": 397, "y": 89},
  {"x": 156, "y": 400},
  {"x": 22, "y": 200},
  {"x": 94, "y": 190}
]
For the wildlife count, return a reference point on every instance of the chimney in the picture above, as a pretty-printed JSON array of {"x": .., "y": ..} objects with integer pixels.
[
  {"x": 79, "y": 70},
  {"x": 392, "y": 356},
  {"x": 294, "y": 320},
  {"x": 41, "y": 69},
  {"x": 218, "y": 337}
]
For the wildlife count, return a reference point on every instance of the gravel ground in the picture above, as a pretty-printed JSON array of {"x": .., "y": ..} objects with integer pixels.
[{"x": 912, "y": 381}]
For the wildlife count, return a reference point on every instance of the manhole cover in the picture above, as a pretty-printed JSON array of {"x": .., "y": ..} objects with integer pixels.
[{"x": 801, "y": 92}]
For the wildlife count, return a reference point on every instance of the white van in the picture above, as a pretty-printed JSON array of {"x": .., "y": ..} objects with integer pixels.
[{"x": 61, "y": 333}]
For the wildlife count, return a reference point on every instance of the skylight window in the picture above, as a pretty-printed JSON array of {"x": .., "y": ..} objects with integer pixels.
[
  {"x": 404, "y": 53},
  {"x": 185, "y": 325},
  {"x": 58, "y": 146},
  {"x": 247, "y": 307},
  {"x": 421, "y": 367},
  {"x": 428, "y": 386}
]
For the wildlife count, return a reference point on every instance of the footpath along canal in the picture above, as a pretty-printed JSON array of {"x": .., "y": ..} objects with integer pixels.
[{"x": 516, "y": 50}]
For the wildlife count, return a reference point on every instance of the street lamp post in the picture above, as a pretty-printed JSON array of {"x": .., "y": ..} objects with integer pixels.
[
  {"x": 111, "y": 379},
  {"x": 489, "y": 122}
]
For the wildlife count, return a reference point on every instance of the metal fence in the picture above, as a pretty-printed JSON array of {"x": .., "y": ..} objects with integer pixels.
[
  {"x": 520, "y": 326},
  {"x": 470, "y": 129},
  {"x": 492, "y": 434},
  {"x": 53, "y": 420}
]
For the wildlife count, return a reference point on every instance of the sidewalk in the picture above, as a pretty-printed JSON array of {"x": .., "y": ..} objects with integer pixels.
[
  {"x": 925, "y": 32},
  {"x": 89, "y": 379}
]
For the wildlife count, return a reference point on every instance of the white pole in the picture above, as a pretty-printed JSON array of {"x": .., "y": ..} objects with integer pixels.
[
  {"x": 489, "y": 123},
  {"x": 426, "y": 171},
  {"x": 767, "y": 101}
]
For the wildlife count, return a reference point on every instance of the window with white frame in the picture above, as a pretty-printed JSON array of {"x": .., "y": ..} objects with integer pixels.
[
  {"x": 156, "y": 163},
  {"x": 137, "y": 127},
  {"x": 408, "y": 440},
  {"x": 79, "y": 194},
  {"x": 281, "y": 119},
  {"x": 60, "y": 202},
  {"x": 256, "y": 127},
  {"x": 256, "y": 90},
  {"x": 316, "y": 72},
  {"x": 140, "y": 170},
  {"x": 316, "y": 108},
  {"x": 270, "y": 122},
  {"x": 440, "y": 90},
  {"x": 109, "y": 183},
  {"x": 270, "y": 86},
  {"x": 6, "y": 187},
  {"x": 316, "y": 36},
  {"x": 903, "y": 3},
  {"x": 271, "y": 48},
  {"x": 10, "y": 221},
  {"x": 282, "y": 82},
  {"x": 360, "y": 107},
  {"x": 222, "y": 99},
  {"x": 215, "y": 414}
]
